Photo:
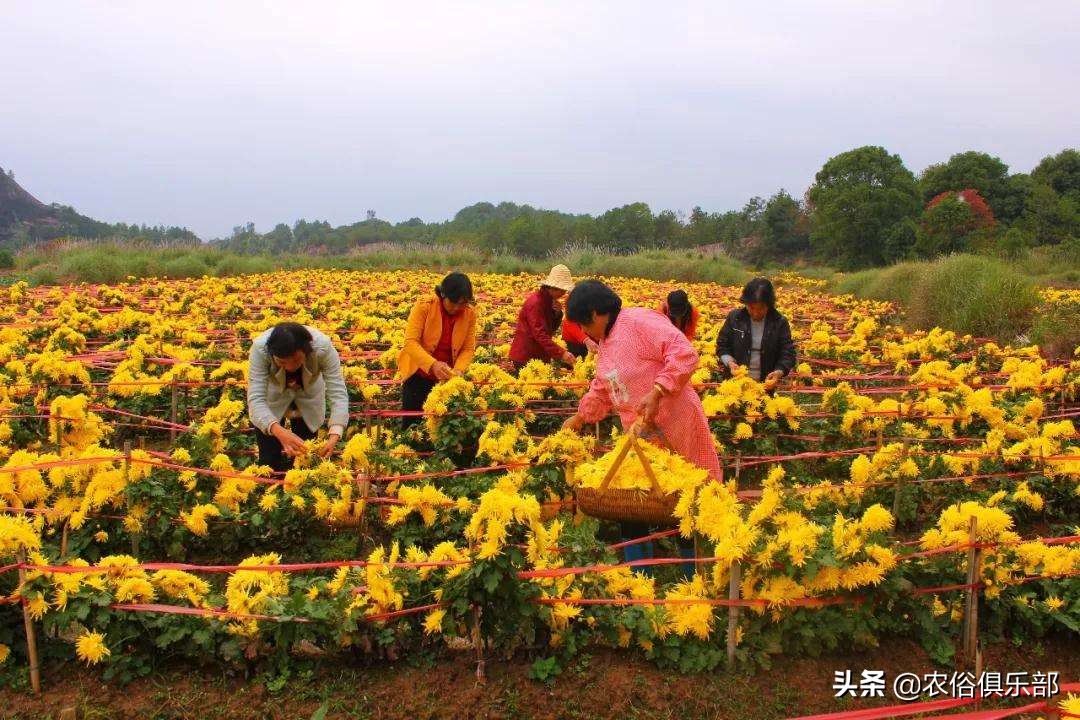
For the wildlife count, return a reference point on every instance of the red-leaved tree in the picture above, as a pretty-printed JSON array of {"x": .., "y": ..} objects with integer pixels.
[{"x": 949, "y": 221}]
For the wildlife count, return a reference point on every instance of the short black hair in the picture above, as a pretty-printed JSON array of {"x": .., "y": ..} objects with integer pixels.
[
  {"x": 678, "y": 303},
  {"x": 455, "y": 287},
  {"x": 589, "y": 297},
  {"x": 288, "y": 337},
  {"x": 759, "y": 290}
]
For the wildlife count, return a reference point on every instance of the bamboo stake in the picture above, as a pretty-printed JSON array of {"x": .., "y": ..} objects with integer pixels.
[
  {"x": 734, "y": 575},
  {"x": 31, "y": 636}
]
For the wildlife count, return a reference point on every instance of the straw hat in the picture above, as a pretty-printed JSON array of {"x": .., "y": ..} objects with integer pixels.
[{"x": 559, "y": 278}]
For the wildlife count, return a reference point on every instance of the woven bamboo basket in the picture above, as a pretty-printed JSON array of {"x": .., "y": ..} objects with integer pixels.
[{"x": 653, "y": 507}]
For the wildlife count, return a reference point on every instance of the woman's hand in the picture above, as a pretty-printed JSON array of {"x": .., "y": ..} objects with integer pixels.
[
  {"x": 330, "y": 445},
  {"x": 568, "y": 358},
  {"x": 773, "y": 379},
  {"x": 648, "y": 407},
  {"x": 442, "y": 371},
  {"x": 291, "y": 444},
  {"x": 574, "y": 422}
]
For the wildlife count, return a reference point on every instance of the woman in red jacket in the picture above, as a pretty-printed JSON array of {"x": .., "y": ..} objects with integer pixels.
[
  {"x": 681, "y": 313},
  {"x": 539, "y": 319},
  {"x": 577, "y": 342}
]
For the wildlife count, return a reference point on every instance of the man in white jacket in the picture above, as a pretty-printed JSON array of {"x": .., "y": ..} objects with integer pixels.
[{"x": 294, "y": 372}]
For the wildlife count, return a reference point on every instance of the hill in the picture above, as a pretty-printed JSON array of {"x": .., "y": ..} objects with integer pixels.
[{"x": 26, "y": 221}]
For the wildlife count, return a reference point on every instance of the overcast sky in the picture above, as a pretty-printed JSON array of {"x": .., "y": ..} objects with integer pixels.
[{"x": 213, "y": 114}]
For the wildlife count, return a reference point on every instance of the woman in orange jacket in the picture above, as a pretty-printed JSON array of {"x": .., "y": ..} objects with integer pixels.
[{"x": 440, "y": 341}]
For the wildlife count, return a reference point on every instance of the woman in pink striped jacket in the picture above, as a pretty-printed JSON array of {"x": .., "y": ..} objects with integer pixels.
[{"x": 643, "y": 370}]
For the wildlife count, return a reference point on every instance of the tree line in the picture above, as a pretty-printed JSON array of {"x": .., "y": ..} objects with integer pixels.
[{"x": 865, "y": 208}]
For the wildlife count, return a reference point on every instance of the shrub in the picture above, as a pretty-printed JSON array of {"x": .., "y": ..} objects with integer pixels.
[
  {"x": 1057, "y": 330},
  {"x": 94, "y": 265},
  {"x": 971, "y": 294},
  {"x": 184, "y": 266},
  {"x": 43, "y": 274},
  {"x": 965, "y": 293},
  {"x": 244, "y": 265}
]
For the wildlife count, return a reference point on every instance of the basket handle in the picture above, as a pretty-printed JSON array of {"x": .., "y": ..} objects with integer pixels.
[
  {"x": 617, "y": 463},
  {"x": 631, "y": 442},
  {"x": 646, "y": 465}
]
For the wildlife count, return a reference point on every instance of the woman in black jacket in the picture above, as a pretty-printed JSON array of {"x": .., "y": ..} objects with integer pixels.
[{"x": 757, "y": 336}]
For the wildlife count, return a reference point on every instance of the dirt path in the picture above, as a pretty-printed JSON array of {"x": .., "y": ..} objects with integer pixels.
[{"x": 603, "y": 684}]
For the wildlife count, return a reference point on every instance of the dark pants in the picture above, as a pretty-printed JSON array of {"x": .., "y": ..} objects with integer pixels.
[
  {"x": 414, "y": 392},
  {"x": 645, "y": 550},
  {"x": 270, "y": 451},
  {"x": 578, "y": 350}
]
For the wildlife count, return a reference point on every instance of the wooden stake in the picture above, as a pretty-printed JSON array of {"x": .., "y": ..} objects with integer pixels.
[
  {"x": 478, "y": 641},
  {"x": 31, "y": 637},
  {"x": 699, "y": 564},
  {"x": 896, "y": 500},
  {"x": 127, "y": 479},
  {"x": 174, "y": 402},
  {"x": 734, "y": 576},
  {"x": 899, "y": 489},
  {"x": 64, "y": 540},
  {"x": 971, "y": 610},
  {"x": 365, "y": 492},
  {"x": 127, "y": 461}
]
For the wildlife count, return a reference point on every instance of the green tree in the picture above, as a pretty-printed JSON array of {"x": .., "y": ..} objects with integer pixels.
[
  {"x": 945, "y": 228},
  {"x": 668, "y": 230},
  {"x": 899, "y": 241},
  {"x": 1050, "y": 218},
  {"x": 1061, "y": 172},
  {"x": 701, "y": 230},
  {"x": 785, "y": 230},
  {"x": 856, "y": 199},
  {"x": 627, "y": 228},
  {"x": 535, "y": 234}
]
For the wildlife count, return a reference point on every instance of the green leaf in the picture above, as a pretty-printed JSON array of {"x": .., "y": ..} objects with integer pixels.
[
  {"x": 491, "y": 581},
  {"x": 321, "y": 712}
]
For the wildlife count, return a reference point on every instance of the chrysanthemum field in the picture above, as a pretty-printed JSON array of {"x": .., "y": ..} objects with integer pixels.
[{"x": 858, "y": 502}]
